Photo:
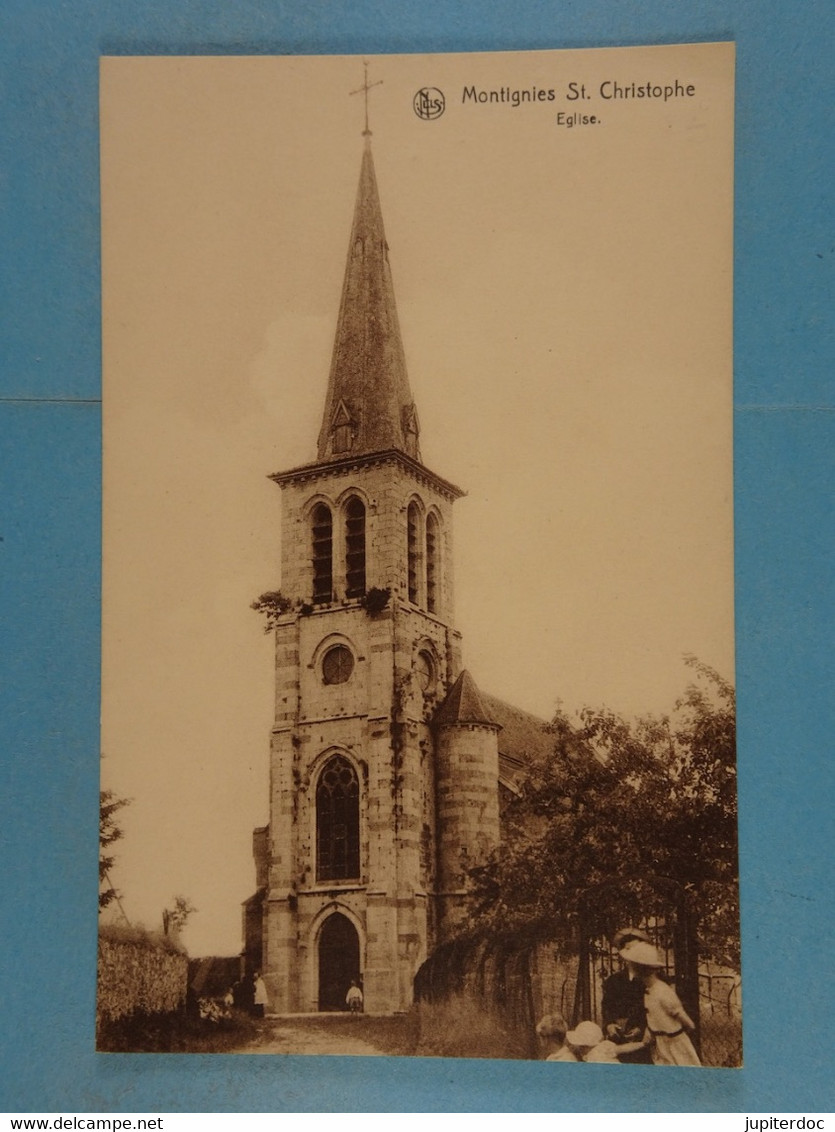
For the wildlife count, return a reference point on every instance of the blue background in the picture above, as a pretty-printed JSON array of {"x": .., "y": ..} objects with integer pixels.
[{"x": 50, "y": 549}]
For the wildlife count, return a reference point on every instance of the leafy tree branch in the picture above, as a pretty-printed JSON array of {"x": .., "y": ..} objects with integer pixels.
[
  {"x": 623, "y": 820},
  {"x": 109, "y": 832}
]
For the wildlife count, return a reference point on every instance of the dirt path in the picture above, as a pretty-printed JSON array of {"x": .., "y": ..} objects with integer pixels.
[{"x": 289, "y": 1035}]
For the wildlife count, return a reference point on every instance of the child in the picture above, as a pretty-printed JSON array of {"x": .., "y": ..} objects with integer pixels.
[
  {"x": 667, "y": 1020},
  {"x": 588, "y": 1043},
  {"x": 353, "y": 999},
  {"x": 551, "y": 1033}
]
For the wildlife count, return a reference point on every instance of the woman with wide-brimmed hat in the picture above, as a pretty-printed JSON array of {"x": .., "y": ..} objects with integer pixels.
[
  {"x": 622, "y": 1004},
  {"x": 667, "y": 1021}
]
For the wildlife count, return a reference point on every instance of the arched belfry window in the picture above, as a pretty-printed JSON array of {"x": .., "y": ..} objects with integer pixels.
[
  {"x": 354, "y": 548},
  {"x": 432, "y": 563},
  {"x": 413, "y": 544},
  {"x": 322, "y": 522},
  {"x": 338, "y": 821}
]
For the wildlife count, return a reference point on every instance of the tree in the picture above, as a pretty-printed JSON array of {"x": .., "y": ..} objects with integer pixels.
[
  {"x": 273, "y": 605},
  {"x": 109, "y": 832},
  {"x": 626, "y": 819},
  {"x": 174, "y": 919}
]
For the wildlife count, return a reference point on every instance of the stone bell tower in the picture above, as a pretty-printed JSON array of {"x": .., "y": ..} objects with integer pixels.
[{"x": 383, "y": 765}]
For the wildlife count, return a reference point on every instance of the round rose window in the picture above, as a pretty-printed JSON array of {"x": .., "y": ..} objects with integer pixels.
[{"x": 337, "y": 665}]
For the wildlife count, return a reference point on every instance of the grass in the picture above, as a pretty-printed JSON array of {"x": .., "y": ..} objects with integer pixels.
[
  {"x": 174, "y": 1033},
  {"x": 721, "y": 1037},
  {"x": 462, "y": 1027}
]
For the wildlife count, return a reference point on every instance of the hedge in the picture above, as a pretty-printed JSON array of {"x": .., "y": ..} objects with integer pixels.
[{"x": 138, "y": 972}]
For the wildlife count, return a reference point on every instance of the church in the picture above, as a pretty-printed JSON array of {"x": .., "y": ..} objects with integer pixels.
[{"x": 386, "y": 761}]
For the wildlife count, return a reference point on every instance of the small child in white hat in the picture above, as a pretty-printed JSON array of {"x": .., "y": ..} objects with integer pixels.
[{"x": 588, "y": 1044}]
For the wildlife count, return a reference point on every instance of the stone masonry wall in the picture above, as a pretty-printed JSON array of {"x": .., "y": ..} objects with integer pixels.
[
  {"x": 467, "y": 800},
  {"x": 405, "y": 660},
  {"x": 386, "y": 494}
]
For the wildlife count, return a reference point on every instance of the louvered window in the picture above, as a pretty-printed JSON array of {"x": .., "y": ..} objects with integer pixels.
[
  {"x": 355, "y": 548},
  {"x": 341, "y": 438},
  {"x": 322, "y": 553},
  {"x": 413, "y": 526},
  {"x": 432, "y": 564}
]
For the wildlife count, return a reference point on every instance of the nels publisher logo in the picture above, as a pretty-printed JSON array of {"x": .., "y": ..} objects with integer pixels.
[{"x": 429, "y": 103}]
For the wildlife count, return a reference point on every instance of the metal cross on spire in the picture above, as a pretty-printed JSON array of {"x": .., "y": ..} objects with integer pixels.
[{"x": 365, "y": 88}]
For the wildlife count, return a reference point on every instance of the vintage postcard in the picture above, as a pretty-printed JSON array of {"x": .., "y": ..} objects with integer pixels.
[{"x": 418, "y": 689}]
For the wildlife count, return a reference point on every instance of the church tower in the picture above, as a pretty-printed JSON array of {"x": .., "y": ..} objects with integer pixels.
[{"x": 384, "y": 764}]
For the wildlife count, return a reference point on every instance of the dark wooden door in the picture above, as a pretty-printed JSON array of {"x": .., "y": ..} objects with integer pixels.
[{"x": 339, "y": 961}]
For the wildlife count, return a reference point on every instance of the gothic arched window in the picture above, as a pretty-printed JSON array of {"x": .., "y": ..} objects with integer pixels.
[
  {"x": 322, "y": 553},
  {"x": 338, "y": 821},
  {"x": 355, "y": 548},
  {"x": 412, "y": 536},
  {"x": 432, "y": 570}
]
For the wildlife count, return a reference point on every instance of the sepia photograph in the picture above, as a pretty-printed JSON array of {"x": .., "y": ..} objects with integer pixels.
[{"x": 418, "y": 708}]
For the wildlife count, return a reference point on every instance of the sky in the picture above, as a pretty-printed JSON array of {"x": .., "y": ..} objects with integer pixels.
[{"x": 564, "y": 296}]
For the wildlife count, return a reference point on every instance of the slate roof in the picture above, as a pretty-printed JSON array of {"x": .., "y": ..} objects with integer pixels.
[
  {"x": 368, "y": 388},
  {"x": 464, "y": 704},
  {"x": 523, "y": 739}
]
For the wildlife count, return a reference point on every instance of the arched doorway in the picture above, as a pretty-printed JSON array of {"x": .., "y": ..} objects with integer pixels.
[{"x": 339, "y": 961}]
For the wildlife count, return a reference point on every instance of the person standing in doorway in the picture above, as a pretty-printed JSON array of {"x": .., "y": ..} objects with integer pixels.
[{"x": 353, "y": 999}]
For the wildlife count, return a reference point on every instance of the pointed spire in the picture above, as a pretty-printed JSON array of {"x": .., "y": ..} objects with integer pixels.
[
  {"x": 369, "y": 405},
  {"x": 464, "y": 705}
]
